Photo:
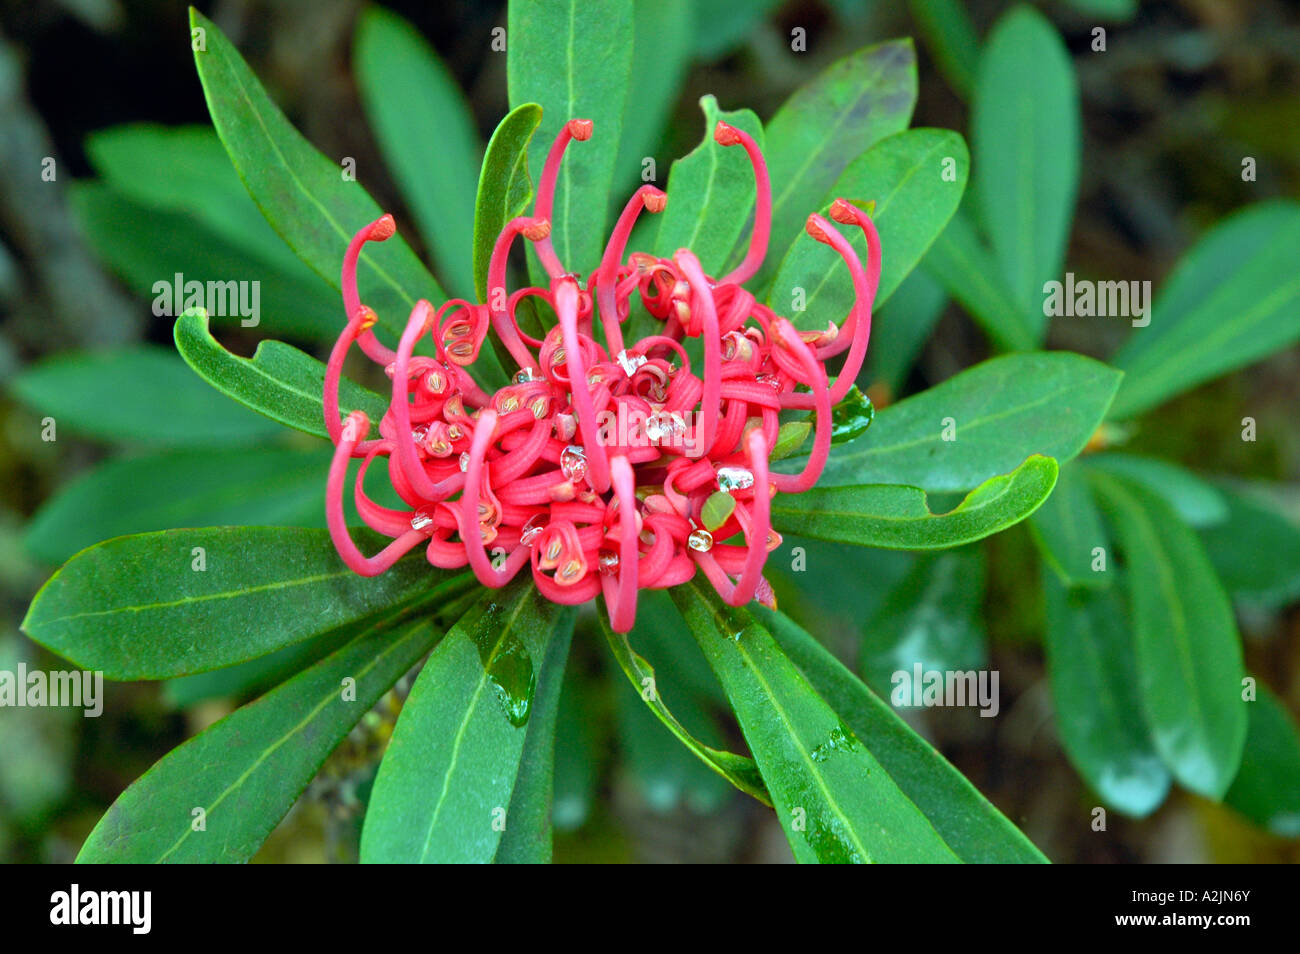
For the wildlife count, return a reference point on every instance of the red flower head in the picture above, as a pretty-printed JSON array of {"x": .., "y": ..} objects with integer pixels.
[{"x": 593, "y": 466}]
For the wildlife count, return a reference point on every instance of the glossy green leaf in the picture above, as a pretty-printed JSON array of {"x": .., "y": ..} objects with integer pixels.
[
  {"x": 1232, "y": 300},
  {"x": 899, "y": 332},
  {"x": 1025, "y": 139},
  {"x": 302, "y": 192},
  {"x": 575, "y": 69},
  {"x": 975, "y": 830},
  {"x": 291, "y": 300},
  {"x": 950, "y": 36},
  {"x": 663, "y": 36},
  {"x": 832, "y": 797},
  {"x": 279, "y": 381},
  {"x": 1256, "y": 525},
  {"x": 261, "y": 486},
  {"x": 504, "y": 187},
  {"x": 426, "y": 133},
  {"x": 1068, "y": 530},
  {"x": 140, "y": 395},
  {"x": 1092, "y": 666},
  {"x": 140, "y": 607},
  {"x": 959, "y": 261},
  {"x": 897, "y": 517},
  {"x": 246, "y": 771},
  {"x": 1267, "y": 789},
  {"x": 451, "y": 768},
  {"x": 1189, "y": 658},
  {"x": 981, "y": 422},
  {"x": 1198, "y": 502},
  {"x": 710, "y": 193},
  {"x": 907, "y": 177},
  {"x": 828, "y": 122},
  {"x": 737, "y": 769}
]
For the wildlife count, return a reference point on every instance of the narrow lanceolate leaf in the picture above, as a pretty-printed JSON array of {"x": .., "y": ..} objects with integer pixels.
[
  {"x": 979, "y": 423},
  {"x": 664, "y": 32},
  {"x": 1071, "y": 535},
  {"x": 262, "y": 486},
  {"x": 504, "y": 187},
  {"x": 279, "y": 381},
  {"x": 916, "y": 179},
  {"x": 899, "y": 518},
  {"x": 950, "y": 36},
  {"x": 446, "y": 782},
  {"x": 848, "y": 107},
  {"x": 1198, "y": 502},
  {"x": 1188, "y": 652},
  {"x": 1093, "y": 670},
  {"x": 576, "y": 70},
  {"x": 710, "y": 193},
  {"x": 900, "y": 331},
  {"x": 1255, "y": 526},
  {"x": 1233, "y": 299},
  {"x": 1267, "y": 789},
  {"x": 737, "y": 769},
  {"x": 246, "y": 771},
  {"x": 141, "y": 395},
  {"x": 304, "y": 194},
  {"x": 833, "y": 798},
  {"x": 426, "y": 133},
  {"x": 959, "y": 261},
  {"x": 1025, "y": 139},
  {"x": 158, "y": 605},
  {"x": 972, "y": 827}
]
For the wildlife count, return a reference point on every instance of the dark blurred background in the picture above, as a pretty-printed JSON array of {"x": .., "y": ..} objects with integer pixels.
[{"x": 1186, "y": 89}]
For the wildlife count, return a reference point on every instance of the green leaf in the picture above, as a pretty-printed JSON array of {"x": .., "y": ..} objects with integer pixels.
[
  {"x": 302, "y": 193},
  {"x": 899, "y": 518},
  {"x": 832, "y": 797},
  {"x": 454, "y": 759},
  {"x": 575, "y": 69},
  {"x": 789, "y": 439},
  {"x": 710, "y": 193},
  {"x": 279, "y": 381},
  {"x": 1233, "y": 299},
  {"x": 575, "y": 754},
  {"x": 721, "y": 25},
  {"x": 959, "y": 261},
  {"x": 290, "y": 299},
  {"x": 981, "y": 422},
  {"x": 139, "y": 607},
  {"x": 971, "y": 826},
  {"x": 1255, "y": 526},
  {"x": 737, "y": 769},
  {"x": 120, "y": 395},
  {"x": 663, "y": 34},
  {"x": 1068, "y": 529},
  {"x": 718, "y": 508},
  {"x": 1198, "y": 502},
  {"x": 1188, "y": 651},
  {"x": 264, "y": 486},
  {"x": 931, "y": 619},
  {"x": 1267, "y": 789},
  {"x": 1093, "y": 671},
  {"x": 1025, "y": 137},
  {"x": 426, "y": 134},
  {"x": 951, "y": 39},
  {"x": 246, "y": 771},
  {"x": 848, "y": 107},
  {"x": 1120, "y": 10},
  {"x": 504, "y": 187},
  {"x": 905, "y": 175},
  {"x": 900, "y": 331}
]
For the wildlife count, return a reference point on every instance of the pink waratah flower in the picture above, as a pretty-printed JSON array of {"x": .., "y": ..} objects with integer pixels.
[{"x": 593, "y": 466}]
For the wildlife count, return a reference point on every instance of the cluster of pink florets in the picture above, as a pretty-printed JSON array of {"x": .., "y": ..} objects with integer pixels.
[{"x": 536, "y": 473}]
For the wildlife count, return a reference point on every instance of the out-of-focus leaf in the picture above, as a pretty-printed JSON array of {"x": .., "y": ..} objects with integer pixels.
[
  {"x": 426, "y": 133},
  {"x": 1119, "y": 10},
  {"x": 1198, "y": 502},
  {"x": 901, "y": 329},
  {"x": 907, "y": 177},
  {"x": 1025, "y": 139},
  {"x": 140, "y": 394},
  {"x": 504, "y": 188},
  {"x": 1233, "y": 299},
  {"x": 981, "y": 422},
  {"x": 1094, "y": 678},
  {"x": 157, "y": 605},
  {"x": 575, "y": 755},
  {"x": 897, "y": 517},
  {"x": 1189, "y": 658},
  {"x": 951, "y": 39},
  {"x": 1256, "y": 551},
  {"x": 1267, "y": 789},
  {"x": 1068, "y": 529},
  {"x": 721, "y": 25}
]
